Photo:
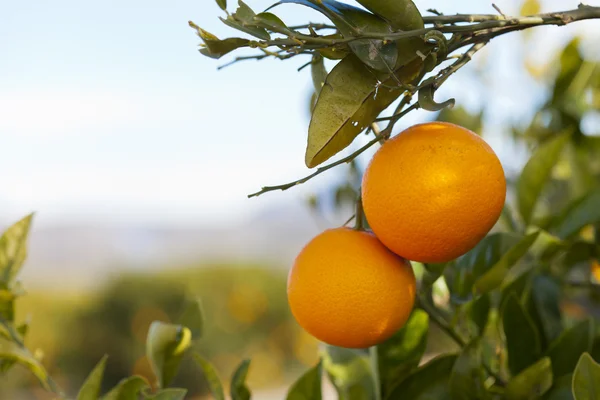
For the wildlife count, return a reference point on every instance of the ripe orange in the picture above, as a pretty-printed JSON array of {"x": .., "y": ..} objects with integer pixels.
[
  {"x": 347, "y": 289},
  {"x": 595, "y": 270},
  {"x": 433, "y": 192}
]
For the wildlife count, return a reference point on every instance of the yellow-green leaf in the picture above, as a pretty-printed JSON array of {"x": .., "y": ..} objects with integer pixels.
[
  {"x": 127, "y": 389},
  {"x": 308, "y": 386},
  {"x": 401, "y": 14},
  {"x": 165, "y": 346},
  {"x": 91, "y": 387},
  {"x": 586, "y": 379},
  {"x": 530, "y": 7},
  {"x": 13, "y": 250},
  {"x": 210, "y": 374},
  {"x": 532, "y": 383}
]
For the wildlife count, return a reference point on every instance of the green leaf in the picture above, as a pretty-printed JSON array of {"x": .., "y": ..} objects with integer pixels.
[
  {"x": 13, "y": 250},
  {"x": 193, "y": 318},
  {"x": 165, "y": 346},
  {"x": 10, "y": 351},
  {"x": 318, "y": 72},
  {"x": 586, "y": 379},
  {"x": 430, "y": 381},
  {"x": 495, "y": 275},
  {"x": 350, "y": 373},
  {"x": 426, "y": 100},
  {"x": 460, "y": 116},
  {"x": 127, "y": 389},
  {"x": 401, "y": 14},
  {"x": 168, "y": 394},
  {"x": 545, "y": 307},
  {"x": 466, "y": 380},
  {"x": 91, "y": 387},
  {"x": 239, "y": 390},
  {"x": 570, "y": 64},
  {"x": 308, "y": 387},
  {"x": 582, "y": 212},
  {"x": 566, "y": 350},
  {"x": 561, "y": 389},
  {"x": 215, "y": 47},
  {"x": 522, "y": 338},
  {"x": 532, "y": 383},
  {"x": 479, "y": 311},
  {"x": 535, "y": 174},
  {"x": 271, "y": 21},
  {"x": 349, "y": 102},
  {"x": 400, "y": 354},
  {"x": 222, "y": 4},
  {"x": 212, "y": 378}
]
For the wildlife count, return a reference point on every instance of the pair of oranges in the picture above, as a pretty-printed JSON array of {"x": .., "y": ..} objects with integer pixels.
[{"x": 430, "y": 194}]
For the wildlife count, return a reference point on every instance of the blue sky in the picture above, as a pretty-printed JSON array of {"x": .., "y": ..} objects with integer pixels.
[{"x": 107, "y": 110}]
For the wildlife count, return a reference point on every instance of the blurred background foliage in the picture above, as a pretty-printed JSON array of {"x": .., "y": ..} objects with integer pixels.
[{"x": 245, "y": 305}]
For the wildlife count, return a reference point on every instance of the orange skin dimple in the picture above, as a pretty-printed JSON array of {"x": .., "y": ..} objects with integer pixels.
[
  {"x": 348, "y": 290},
  {"x": 433, "y": 192}
]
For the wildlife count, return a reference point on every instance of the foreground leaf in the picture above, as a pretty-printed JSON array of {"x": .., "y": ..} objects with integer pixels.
[
  {"x": 350, "y": 100},
  {"x": 532, "y": 383},
  {"x": 561, "y": 389},
  {"x": 586, "y": 379},
  {"x": 165, "y": 346},
  {"x": 127, "y": 389},
  {"x": 582, "y": 212},
  {"x": 466, "y": 380},
  {"x": 10, "y": 351},
  {"x": 168, "y": 394},
  {"x": 211, "y": 376},
  {"x": 215, "y": 47},
  {"x": 428, "y": 382},
  {"x": 536, "y": 173},
  {"x": 401, "y": 14},
  {"x": 308, "y": 387},
  {"x": 400, "y": 354},
  {"x": 239, "y": 390},
  {"x": 350, "y": 373},
  {"x": 522, "y": 338},
  {"x": 91, "y": 387},
  {"x": 13, "y": 250},
  {"x": 566, "y": 350}
]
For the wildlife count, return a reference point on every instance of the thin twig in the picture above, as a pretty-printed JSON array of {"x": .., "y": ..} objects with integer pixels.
[{"x": 499, "y": 10}]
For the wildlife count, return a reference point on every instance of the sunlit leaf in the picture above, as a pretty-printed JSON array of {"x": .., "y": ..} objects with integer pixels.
[
  {"x": 127, "y": 389},
  {"x": 568, "y": 347},
  {"x": 9, "y": 350},
  {"x": 168, "y": 394},
  {"x": 536, "y": 174},
  {"x": 215, "y": 47},
  {"x": 318, "y": 72},
  {"x": 466, "y": 380},
  {"x": 243, "y": 20},
  {"x": 13, "y": 250},
  {"x": 430, "y": 381},
  {"x": 193, "y": 318},
  {"x": 532, "y": 383},
  {"x": 165, "y": 346},
  {"x": 350, "y": 100},
  {"x": 401, "y": 14},
  {"x": 582, "y": 212},
  {"x": 586, "y": 379},
  {"x": 308, "y": 386},
  {"x": 90, "y": 390},
  {"x": 214, "y": 383},
  {"x": 239, "y": 389},
  {"x": 496, "y": 274},
  {"x": 522, "y": 338},
  {"x": 271, "y": 21},
  {"x": 400, "y": 354}
]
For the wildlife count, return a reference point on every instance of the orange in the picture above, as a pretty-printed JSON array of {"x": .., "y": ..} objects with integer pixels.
[
  {"x": 595, "y": 270},
  {"x": 348, "y": 290},
  {"x": 431, "y": 193}
]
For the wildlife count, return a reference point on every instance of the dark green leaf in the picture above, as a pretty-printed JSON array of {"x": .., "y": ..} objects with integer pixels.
[
  {"x": 583, "y": 212},
  {"x": 10, "y": 351},
  {"x": 271, "y": 21},
  {"x": 349, "y": 102},
  {"x": 532, "y": 383},
  {"x": 426, "y": 100},
  {"x": 561, "y": 389},
  {"x": 168, "y": 394},
  {"x": 495, "y": 275},
  {"x": 13, "y": 250},
  {"x": 566, "y": 350},
  {"x": 127, "y": 389},
  {"x": 536, "y": 173},
  {"x": 165, "y": 346},
  {"x": 401, "y": 14},
  {"x": 239, "y": 390},
  {"x": 7, "y": 305},
  {"x": 215, "y": 47},
  {"x": 350, "y": 373},
  {"x": 586, "y": 379},
  {"x": 400, "y": 354},
  {"x": 466, "y": 380},
  {"x": 522, "y": 338},
  {"x": 428, "y": 382},
  {"x": 222, "y": 4},
  {"x": 193, "y": 318},
  {"x": 479, "y": 311},
  {"x": 91, "y": 387},
  {"x": 545, "y": 307},
  {"x": 212, "y": 378},
  {"x": 308, "y": 387}
]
